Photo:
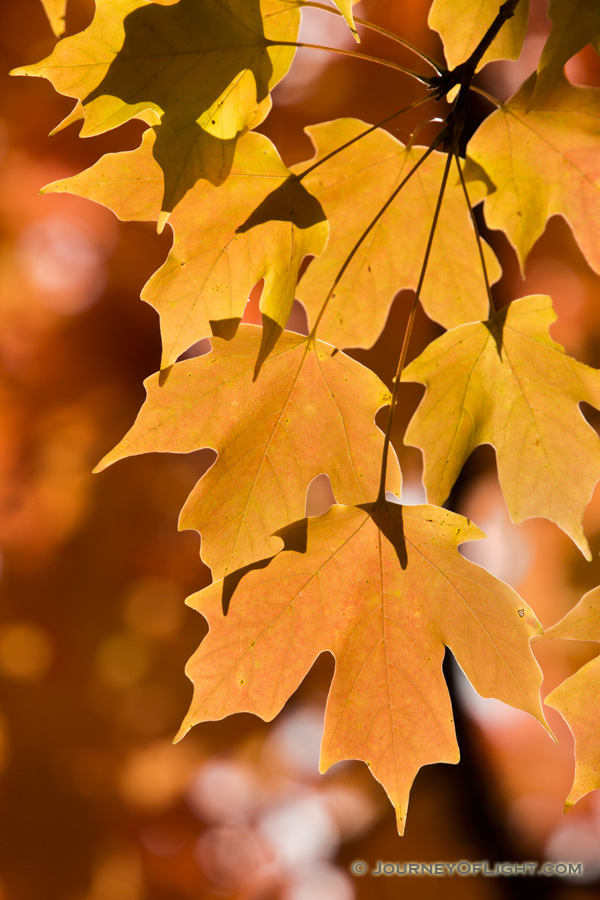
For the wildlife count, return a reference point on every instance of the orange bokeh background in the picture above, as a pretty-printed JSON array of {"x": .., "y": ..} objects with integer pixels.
[{"x": 96, "y": 803}]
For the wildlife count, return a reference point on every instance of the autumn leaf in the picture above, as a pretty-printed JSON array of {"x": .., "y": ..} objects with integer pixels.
[
  {"x": 55, "y": 10},
  {"x": 352, "y": 186},
  {"x": 577, "y": 699},
  {"x": 544, "y": 161},
  {"x": 311, "y": 410},
  {"x": 462, "y": 23},
  {"x": 259, "y": 225},
  {"x": 505, "y": 382},
  {"x": 384, "y": 589},
  {"x": 575, "y": 23},
  {"x": 203, "y": 67}
]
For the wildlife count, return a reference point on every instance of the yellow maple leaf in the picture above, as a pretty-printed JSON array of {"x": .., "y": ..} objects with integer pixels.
[
  {"x": 384, "y": 589},
  {"x": 544, "y": 161},
  {"x": 462, "y": 23},
  {"x": 352, "y": 186},
  {"x": 505, "y": 382},
  {"x": 202, "y": 70},
  {"x": 259, "y": 225}
]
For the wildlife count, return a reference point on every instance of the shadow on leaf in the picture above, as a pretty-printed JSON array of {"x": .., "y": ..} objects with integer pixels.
[
  {"x": 290, "y": 202},
  {"x": 202, "y": 64},
  {"x": 389, "y": 519},
  {"x": 495, "y": 325},
  {"x": 294, "y": 536}
]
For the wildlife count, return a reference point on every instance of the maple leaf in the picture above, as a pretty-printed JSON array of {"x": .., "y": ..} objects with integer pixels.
[
  {"x": 575, "y": 23},
  {"x": 577, "y": 699},
  {"x": 544, "y": 160},
  {"x": 203, "y": 67},
  {"x": 352, "y": 186},
  {"x": 384, "y": 589},
  {"x": 312, "y": 410},
  {"x": 259, "y": 225},
  {"x": 55, "y": 10},
  {"x": 505, "y": 382},
  {"x": 462, "y": 23}
]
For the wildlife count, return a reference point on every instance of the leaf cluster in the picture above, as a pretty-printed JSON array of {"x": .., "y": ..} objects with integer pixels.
[{"x": 379, "y": 585}]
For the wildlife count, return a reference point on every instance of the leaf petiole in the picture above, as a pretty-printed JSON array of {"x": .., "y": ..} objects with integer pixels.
[
  {"x": 440, "y": 69},
  {"x": 438, "y": 140},
  {"x": 411, "y": 321},
  {"x": 477, "y": 234},
  {"x": 424, "y": 79}
]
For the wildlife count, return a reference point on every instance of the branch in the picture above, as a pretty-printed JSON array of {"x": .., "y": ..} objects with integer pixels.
[{"x": 463, "y": 74}]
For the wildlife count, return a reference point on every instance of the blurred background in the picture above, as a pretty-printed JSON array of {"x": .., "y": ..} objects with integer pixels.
[{"x": 95, "y": 802}]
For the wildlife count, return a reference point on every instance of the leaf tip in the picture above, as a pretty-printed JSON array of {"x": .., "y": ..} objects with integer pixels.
[
  {"x": 163, "y": 218},
  {"x": 183, "y": 730},
  {"x": 76, "y": 115},
  {"x": 106, "y": 461},
  {"x": 52, "y": 187},
  {"x": 400, "y": 822}
]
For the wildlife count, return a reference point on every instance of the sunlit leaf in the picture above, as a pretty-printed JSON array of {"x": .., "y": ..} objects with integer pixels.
[
  {"x": 311, "y": 410},
  {"x": 384, "y": 589},
  {"x": 544, "y": 161},
  {"x": 204, "y": 68},
  {"x": 462, "y": 24},
  {"x": 352, "y": 186},
  {"x": 259, "y": 225},
  {"x": 505, "y": 382}
]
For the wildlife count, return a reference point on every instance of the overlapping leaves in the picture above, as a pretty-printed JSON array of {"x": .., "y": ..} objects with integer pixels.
[
  {"x": 352, "y": 186},
  {"x": 202, "y": 68},
  {"x": 312, "y": 410},
  {"x": 259, "y": 225}
]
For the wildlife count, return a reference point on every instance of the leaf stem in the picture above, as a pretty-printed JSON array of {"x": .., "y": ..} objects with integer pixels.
[
  {"x": 368, "y": 229},
  {"x": 363, "y": 134},
  {"x": 409, "y": 328},
  {"x": 477, "y": 235},
  {"x": 487, "y": 96},
  {"x": 383, "y": 31},
  {"x": 462, "y": 75},
  {"x": 424, "y": 79}
]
